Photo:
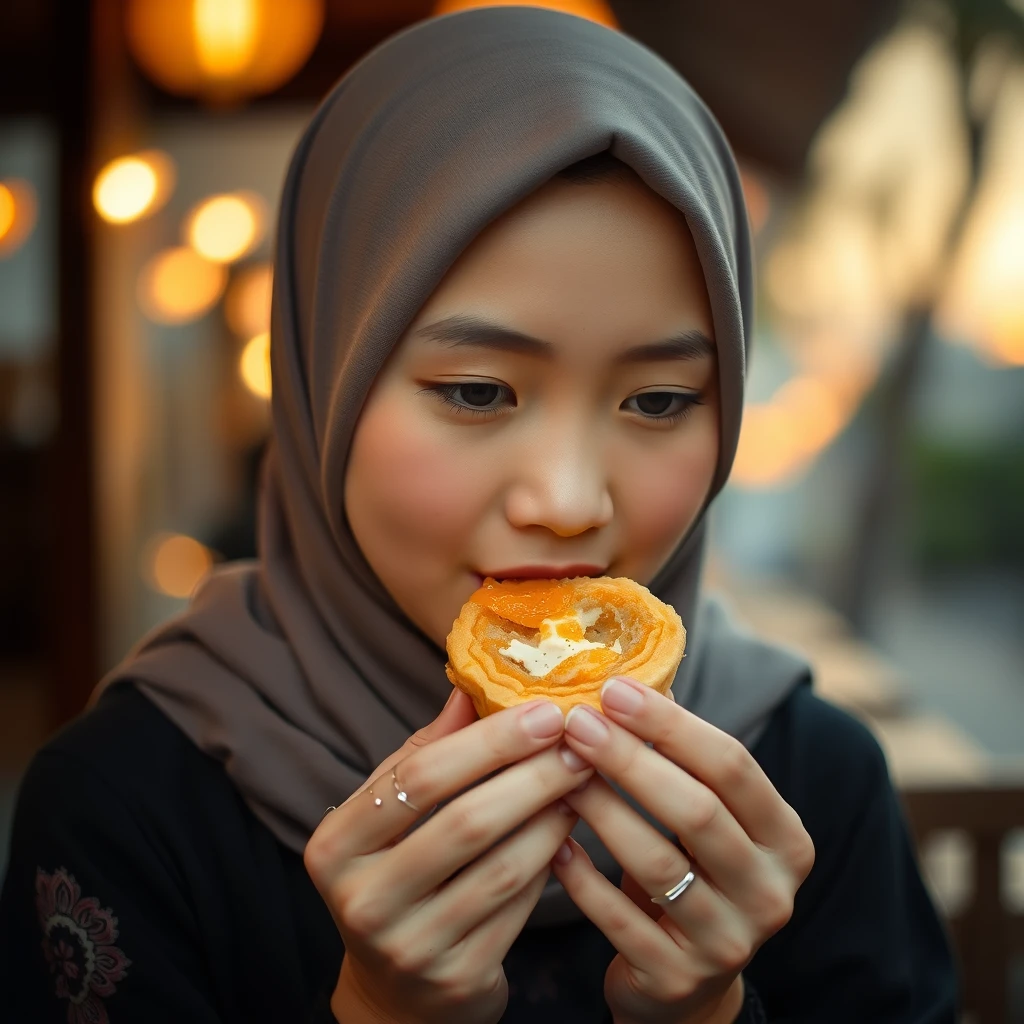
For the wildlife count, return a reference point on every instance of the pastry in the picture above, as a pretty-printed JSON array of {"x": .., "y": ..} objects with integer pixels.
[{"x": 518, "y": 640}]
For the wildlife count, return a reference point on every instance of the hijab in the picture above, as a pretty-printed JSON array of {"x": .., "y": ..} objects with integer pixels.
[{"x": 297, "y": 670}]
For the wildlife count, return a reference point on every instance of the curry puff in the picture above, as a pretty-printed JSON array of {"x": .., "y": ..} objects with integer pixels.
[{"x": 518, "y": 640}]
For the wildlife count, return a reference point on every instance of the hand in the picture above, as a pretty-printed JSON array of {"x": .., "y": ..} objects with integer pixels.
[
  {"x": 427, "y": 916},
  {"x": 680, "y": 962}
]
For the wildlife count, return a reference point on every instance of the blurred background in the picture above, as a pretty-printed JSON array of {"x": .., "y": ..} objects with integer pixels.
[{"x": 876, "y": 515}]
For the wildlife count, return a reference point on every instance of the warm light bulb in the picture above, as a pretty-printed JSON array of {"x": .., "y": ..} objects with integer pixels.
[
  {"x": 178, "y": 285},
  {"x": 224, "y": 228},
  {"x": 7, "y": 210},
  {"x": 247, "y": 304},
  {"x": 225, "y": 33},
  {"x": 174, "y": 564},
  {"x": 18, "y": 209},
  {"x": 592, "y": 10},
  {"x": 132, "y": 186},
  {"x": 254, "y": 365}
]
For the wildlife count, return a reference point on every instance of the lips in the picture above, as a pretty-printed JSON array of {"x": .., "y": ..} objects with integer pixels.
[{"x": 547, "y": 572}]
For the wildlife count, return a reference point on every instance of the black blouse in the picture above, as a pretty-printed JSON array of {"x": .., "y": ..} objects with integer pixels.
[{"x": 140, "y": 887}]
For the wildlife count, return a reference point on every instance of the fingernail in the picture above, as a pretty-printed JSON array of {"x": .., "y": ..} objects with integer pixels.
[
  {"x": 544, "y": 720},
  {"x": 563, "y": 854},
  {"x": 573, "y": 761},
  {"x": 620, "y": 696},
  {"x": 585, "y": 725}
]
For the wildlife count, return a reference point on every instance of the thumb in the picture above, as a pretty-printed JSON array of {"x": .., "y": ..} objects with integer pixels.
[{"x": 457, "y": 713}]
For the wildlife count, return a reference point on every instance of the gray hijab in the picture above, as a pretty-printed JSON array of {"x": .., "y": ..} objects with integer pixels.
[{"x": 297, "y": 670}]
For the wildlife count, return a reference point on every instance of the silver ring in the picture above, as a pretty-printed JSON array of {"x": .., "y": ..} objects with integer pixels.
[
  {"x": 676, "y": 891},
  {"x": 401, "y": 794}
]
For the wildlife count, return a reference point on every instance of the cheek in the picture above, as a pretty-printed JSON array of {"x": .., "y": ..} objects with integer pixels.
[
  {"x": 661, "y": 492},
  {"x": 405, "y": 487}
]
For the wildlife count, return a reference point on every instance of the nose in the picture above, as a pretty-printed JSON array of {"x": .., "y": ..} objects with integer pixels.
[{"x": 561, "y": 484}]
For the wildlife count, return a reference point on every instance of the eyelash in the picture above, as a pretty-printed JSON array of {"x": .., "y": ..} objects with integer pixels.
[{"x": 446, "y": 394}]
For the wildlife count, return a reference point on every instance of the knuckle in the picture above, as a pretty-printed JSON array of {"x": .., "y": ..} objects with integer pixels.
[
  {"x": 665, "y": 867},
  {"x": 803, "y": 855},
  {"x": 504, "y": 878},
  {"x": 703, "y": 810},
  {"x": 734, "y": 763},
  {"x": 468, "y": 826},
  {"x": 358, "y": 913},
  {"x": 774, "y": 911},
  {"x": 320, "y": 856},
  {"x": 408, "y": 959},
  {"x": 732, "y": 952},
  {"x": 457, "y": 988}
]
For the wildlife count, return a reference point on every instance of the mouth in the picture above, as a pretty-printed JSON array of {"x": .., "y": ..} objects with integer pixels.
[{"x": 543, "y": 572}]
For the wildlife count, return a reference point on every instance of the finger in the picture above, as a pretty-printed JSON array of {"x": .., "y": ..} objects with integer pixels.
[
  {"x": 714, "y": 757},
  {"x": 642, "y": 851},
  {"x": 641, "y": 941},
  {"x": 654, "y": 862},
  {"x": 435, "y": 772},
  {"x": 467, "y": 827},
  {"x": 687, "y": 807},
  {"x": 714, "y": 940},
  {"x": 491, "y": 941},
  {"x": 485, "y": 886},
  {"x": 457, "y": 713}
]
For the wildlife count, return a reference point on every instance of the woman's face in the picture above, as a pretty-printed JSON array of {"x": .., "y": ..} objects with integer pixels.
[{"x": 552, "y": 411}]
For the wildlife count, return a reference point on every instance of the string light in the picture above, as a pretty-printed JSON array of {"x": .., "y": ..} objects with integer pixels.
[
  {"x": 173, "y": 564},
  {"x": 132, "y": 187},
  {"x": 254, "y": 365},
  {"x": 178, "y": 285},
  {"x": 225, "y": 228}
]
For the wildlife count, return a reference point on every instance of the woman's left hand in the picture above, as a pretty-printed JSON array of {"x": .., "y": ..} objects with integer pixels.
[{"x": 679, "y": 963}]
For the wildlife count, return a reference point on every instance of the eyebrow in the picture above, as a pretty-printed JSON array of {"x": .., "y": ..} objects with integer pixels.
[{"x": 476, "y": 332}]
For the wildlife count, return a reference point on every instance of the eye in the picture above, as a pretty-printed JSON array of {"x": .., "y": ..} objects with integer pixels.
[
  {"x": 662, "y": 406},
  {"x": 474, "y": 397}
]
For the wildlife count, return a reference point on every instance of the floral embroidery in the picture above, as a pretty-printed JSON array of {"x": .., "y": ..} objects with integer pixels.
[{"x": 78, "y": 945}]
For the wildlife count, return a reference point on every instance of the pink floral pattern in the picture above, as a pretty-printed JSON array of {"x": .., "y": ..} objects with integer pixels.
[{"x": 78, "y": 937}]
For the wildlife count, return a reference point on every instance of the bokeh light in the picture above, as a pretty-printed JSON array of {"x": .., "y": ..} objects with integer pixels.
[
  {"x": 173, "y": 564},
  {"x": 7, "y": 210},
  {"x": 134, "y": 186},
  {"x": 178, "y": 285},
  {"x": 247, "y": 304},
  {"x": 223, "y": 50},
  {"x": 225, "y": 33},
  {"x": 781, "y": 438},
  {"x": 225, "y": 228},
  {"x": 254, "y": 365},
  {"x": 592, "y": 10},
  {"x": 18, "y": 210}
]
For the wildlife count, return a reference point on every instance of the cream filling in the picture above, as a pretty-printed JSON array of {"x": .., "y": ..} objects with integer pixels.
[{"x": 552, "y": 649}]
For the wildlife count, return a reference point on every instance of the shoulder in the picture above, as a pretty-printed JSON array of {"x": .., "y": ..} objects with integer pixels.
[
  {"x": 123, "y": 750},
  {"x": 819, "y": 756}
]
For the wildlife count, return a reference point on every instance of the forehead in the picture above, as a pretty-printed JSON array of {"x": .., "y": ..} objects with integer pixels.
[{"x": 609, "y": 257}]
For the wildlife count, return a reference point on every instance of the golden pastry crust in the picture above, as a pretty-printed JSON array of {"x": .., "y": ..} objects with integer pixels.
[{"x": 649, "y": 634}]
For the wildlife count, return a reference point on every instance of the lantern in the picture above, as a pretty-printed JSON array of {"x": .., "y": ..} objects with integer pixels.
[
  {"x": 592, "y": 10},
  {"x": 223, "y": 50}
]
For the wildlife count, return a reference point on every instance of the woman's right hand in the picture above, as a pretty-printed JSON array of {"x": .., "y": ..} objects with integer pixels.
[{"x": 421, "y": 945}]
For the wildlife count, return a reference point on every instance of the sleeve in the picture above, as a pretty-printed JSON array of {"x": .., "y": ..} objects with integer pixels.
[
  {"x": 95, "y": 922},
  {"x": 865, "y": 942}
]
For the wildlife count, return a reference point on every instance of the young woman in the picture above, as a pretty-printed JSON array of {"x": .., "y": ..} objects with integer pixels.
[{"x": 512, "y": 304}]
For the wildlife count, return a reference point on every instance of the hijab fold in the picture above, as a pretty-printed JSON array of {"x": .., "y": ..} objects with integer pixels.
[{"x": 297, "y": 670}]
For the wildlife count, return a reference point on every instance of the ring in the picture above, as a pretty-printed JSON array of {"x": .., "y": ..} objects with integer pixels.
[
  {"x": 402, "y": 795},
  {"x": 676, "y": 891}
]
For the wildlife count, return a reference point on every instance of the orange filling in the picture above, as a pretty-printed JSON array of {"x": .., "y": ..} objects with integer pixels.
[{"x": 527, "y": 602}]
